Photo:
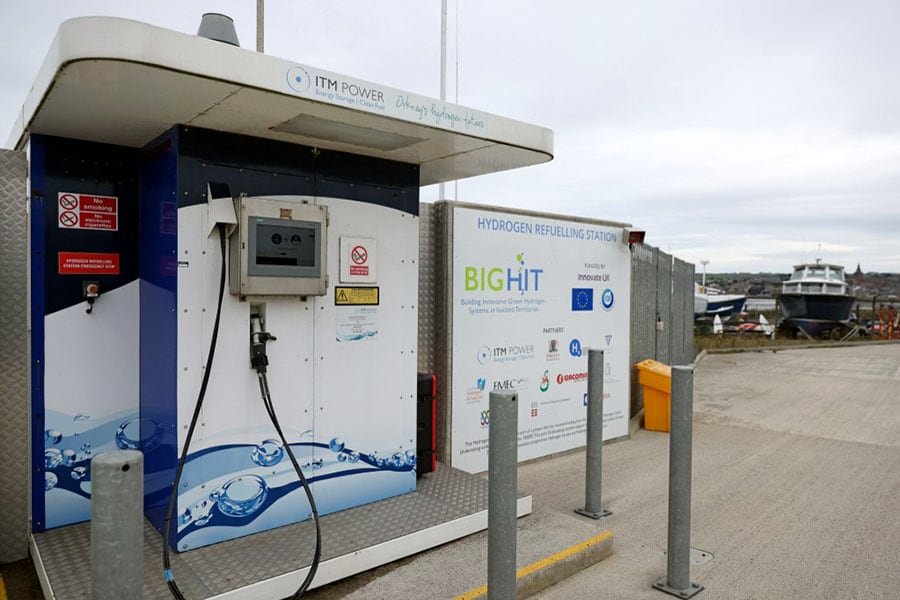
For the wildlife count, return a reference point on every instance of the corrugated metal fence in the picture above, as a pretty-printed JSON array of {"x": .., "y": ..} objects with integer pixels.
[{"x": 662, "y": 312}]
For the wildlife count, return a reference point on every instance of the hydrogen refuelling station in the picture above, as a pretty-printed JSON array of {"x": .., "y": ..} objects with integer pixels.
[{"x": 229, "y": 270}]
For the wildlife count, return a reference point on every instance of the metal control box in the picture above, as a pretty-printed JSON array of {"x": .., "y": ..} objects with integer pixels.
[{"x": 278, "y": 249}]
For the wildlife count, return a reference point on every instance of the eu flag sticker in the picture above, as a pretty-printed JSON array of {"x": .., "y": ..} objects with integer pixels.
[{"x": 582, "y": 299}]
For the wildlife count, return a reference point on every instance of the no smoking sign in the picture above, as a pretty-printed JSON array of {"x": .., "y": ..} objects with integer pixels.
[
  {"x": 358, "y": 260},
  {"x": 87, "y": 211}
]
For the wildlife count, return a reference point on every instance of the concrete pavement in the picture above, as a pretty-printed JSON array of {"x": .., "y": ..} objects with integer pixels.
[{"x": 796, "y": 492}]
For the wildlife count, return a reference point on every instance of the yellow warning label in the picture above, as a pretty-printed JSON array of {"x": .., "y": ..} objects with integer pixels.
[{"x": 356, "y": 296}]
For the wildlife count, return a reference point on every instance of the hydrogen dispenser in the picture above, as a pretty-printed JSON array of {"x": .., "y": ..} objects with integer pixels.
[{"x": 321, "y": 289}]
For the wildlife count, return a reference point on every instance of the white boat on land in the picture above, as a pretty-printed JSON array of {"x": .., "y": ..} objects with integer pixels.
[{"x": 718, "y": 302}]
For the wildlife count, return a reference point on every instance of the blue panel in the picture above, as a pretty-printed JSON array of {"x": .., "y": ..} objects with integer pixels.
[
  {"x": 66, "y": 429},
  {"x": 159, "y": 277},
  {"x": 38, "y": 512}
]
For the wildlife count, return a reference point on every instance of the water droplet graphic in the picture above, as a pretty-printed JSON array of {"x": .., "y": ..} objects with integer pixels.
[
  {"x": 336, "y": 444},
  {"x": 50, "y": 481},
  {"x": 185, "y": 517},
  {"x": 267, "y": 453},
  {"x": 52, "y": 436},
  {"x": 398, "y": 460},
  {"x": 307, "y": 433},
  {"x": 68, "y": 457},
  {"x": 380, "y": 462},
  {"x": 52, "y": 458},
  {"x": 81, "y": 417},
  {"x": 138, "y": 434},
  {"x": 317, "y": 463},
  {"x": 342, "y": 457},
  {"x": 78, "y": 473},
  {"x": 242, "y": 496},
  {"x": 354, "y": 457},
  {"x": 203, "y": 520}
]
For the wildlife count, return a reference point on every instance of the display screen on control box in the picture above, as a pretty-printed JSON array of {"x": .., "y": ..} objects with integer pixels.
[{"x": 283, "y": 248}]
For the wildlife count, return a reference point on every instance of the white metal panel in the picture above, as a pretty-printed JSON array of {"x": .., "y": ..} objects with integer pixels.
[
  {"x": 91, "y": 388},
  {"x": 366, "y": 387}
]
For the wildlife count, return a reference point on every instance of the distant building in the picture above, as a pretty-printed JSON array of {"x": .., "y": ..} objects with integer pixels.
[{"x": 857, "y": 277}]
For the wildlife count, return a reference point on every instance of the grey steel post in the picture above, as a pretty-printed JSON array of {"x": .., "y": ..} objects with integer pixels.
[
  {"x": 503, "y": 452},
  {"x": 593, "y": 475},
  {"x": 260, "y": 26},
  {"x": 678, "y": 571},
  {"x": 117, "y": 525}
]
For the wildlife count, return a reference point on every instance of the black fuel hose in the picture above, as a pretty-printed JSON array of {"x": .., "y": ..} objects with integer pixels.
[{"x": 270, "y": 410}]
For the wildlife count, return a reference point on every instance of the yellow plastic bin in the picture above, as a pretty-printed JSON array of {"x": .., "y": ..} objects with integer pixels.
[{"x": 656, "y": 380}]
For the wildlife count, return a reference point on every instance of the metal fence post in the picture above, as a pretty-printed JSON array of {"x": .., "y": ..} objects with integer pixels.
[
  {"x": 678, "y": 571},
  {"x": 117, "y": 525},
  {"x": 503, "y": 440},
  {"x": 593, "y": 477}
]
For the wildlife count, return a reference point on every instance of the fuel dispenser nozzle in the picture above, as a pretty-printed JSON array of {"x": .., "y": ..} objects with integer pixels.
[{"x": 258, "y": 338}]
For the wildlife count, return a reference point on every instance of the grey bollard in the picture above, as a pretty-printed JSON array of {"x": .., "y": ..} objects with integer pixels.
[
  {"x": 117, "y": 525},
  {"x": 593, "y": 476},
  {"x": 503, "y": 452},
  {"x": 678, "y": 571}
]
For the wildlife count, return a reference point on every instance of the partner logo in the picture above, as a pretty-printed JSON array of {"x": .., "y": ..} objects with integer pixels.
[
  {"x": 567, "y": 377},
  {"x": 575, "y": 348},
  {"x": 476, "y": 392},
  {"x": 545, "y": 381},
  {"x": 515, "y": 384},
  {"x": 552, "y": 350},
  {"x": 501, "y": 354}
]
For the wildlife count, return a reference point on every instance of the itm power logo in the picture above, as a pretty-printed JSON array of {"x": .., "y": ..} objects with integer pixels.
[
  {"x": 298, "y": 79},
  {"x": 519, "y": 278},
  {"x": 502, "y": 354}
]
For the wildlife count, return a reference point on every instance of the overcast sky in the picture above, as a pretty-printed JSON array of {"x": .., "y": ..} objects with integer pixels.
[{"x": 743, "y": 133}]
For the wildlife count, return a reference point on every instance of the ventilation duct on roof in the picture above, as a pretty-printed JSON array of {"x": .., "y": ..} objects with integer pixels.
[{"x": 218, "y": 27}]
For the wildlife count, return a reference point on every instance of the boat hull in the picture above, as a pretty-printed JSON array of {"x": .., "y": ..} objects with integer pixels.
[
  {"x": 827, "y": 307},
  {"x": 724, "y": 306}
]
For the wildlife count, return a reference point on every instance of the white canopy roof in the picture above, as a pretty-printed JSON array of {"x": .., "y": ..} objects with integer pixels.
[{"x": 124, "y": 82}]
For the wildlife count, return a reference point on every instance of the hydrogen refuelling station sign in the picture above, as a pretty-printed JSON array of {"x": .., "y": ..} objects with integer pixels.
[{"x": 531, "y": 295}]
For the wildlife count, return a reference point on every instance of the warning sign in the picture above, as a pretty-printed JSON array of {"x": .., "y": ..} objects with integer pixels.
[
  {"x": 86, "y": 211},
  {"x": 359, "y": 255},
  {"x": 356, "y": 296},
  {"x": 88, "y": 263},
  {"x": 358, "y": 260}
]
